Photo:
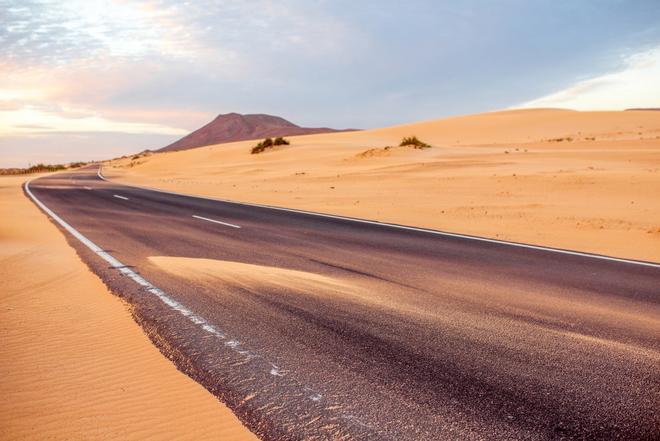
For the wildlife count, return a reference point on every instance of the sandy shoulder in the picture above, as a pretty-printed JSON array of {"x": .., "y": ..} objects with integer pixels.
[{"x": 74, "y": 364}]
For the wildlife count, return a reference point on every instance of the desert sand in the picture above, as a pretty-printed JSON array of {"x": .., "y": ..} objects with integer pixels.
[
  {"x": 74, "y": 364},
  {"x": 586, "y": 181}
]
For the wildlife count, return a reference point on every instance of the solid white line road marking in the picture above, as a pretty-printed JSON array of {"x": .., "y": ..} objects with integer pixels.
[
  {"x": 115, "y": 263},
  {"x": 402, "y": 227},
  {"x": 120, "y": 197},
  {"x": 215, "y": 221}
]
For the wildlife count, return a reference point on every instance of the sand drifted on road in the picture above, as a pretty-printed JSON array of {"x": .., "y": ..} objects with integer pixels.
[
  {"x": 74, "y": 364},
  {"x": 578, "y": 180},
  {"x": 247, "y": 276},
  {"x": 260, "y": 279},
  {"x": 459, "y": 305}
]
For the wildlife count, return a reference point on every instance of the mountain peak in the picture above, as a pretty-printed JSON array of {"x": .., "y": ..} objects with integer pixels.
[{"x": 230, "y": 127}]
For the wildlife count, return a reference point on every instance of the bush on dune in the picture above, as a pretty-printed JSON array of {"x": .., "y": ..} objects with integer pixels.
[
  {"x": 268, "y": 143},
  {"x": 39, "y": 168},
  {"x": 414, "y": 142},
  {"x": 262, "y": 146}
]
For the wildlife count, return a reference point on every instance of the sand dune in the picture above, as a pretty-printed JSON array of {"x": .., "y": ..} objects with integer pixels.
[
  {"x": 578, "y": 180},
  {"x": 74, "y": 365}
]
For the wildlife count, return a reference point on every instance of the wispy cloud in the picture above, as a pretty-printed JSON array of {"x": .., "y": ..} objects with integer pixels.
[
  {"x": 62, "y": 60},
  {"x": 637, "y": 84},
  {"x": 218, "y": 33},
  {"x": 34, "y": 120},
  {"x": 54, "y": 33}
]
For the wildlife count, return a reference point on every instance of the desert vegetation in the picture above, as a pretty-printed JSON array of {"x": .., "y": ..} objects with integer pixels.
[
  {"x": 268, "y": 143},
  {"x": 40, "y": 168},
  {"x": 414, "y": 142},
  {"x": 408, "y": 141},
  {"x": 142, "y": 154},
  {"x": 135, "y": 159}
]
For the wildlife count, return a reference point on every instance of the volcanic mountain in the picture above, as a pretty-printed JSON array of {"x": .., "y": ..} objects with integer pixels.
[{"x": 232, "y": 127}]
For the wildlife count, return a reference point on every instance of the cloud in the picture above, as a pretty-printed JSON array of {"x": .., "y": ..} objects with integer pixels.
[
  {"x": 222, "y": 34},
  {"x": 637, "y": 84},
  {"x": 54, "y": 32},
  {"x": 31, "y": 120}
]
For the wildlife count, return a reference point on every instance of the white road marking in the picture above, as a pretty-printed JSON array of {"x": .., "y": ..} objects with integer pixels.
[
  {"x": 234, "y": 344},
  {"x": 404, "y": 227},
  {"x": 120, "y": 197},
  {"x": 216, "y": 221},
  {"x": 88, "y": 188},
  {"x": 275, "y": 370},
  {"x": 231, "y": 343}
]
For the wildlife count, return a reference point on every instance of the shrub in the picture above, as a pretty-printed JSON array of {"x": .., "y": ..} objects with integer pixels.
[
  {"x": 263, "y": 145},
  {"x": 414, "y": 142},
  {"x": 268, "y": 143},
  {"x": 39, "y": 168}
]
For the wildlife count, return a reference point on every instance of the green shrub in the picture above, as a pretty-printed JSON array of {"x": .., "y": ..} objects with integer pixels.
[
  {"x": 267, "y": 144},
  {"x": 39, "y": 168},
  {"x": 414, "y": 142}
]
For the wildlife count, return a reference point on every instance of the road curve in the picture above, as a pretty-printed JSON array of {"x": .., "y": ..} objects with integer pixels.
[{"x": 313, "y": 327}]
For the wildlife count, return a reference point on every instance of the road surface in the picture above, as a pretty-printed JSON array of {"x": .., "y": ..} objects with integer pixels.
[{"x": 313, "y": 327}]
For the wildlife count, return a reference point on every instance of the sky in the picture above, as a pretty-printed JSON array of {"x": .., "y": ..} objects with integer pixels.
[{"x": 94, "y": 79}]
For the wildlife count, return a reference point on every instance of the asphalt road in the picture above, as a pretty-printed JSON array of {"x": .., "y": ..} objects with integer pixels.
[{"x": 352, "y": 330}]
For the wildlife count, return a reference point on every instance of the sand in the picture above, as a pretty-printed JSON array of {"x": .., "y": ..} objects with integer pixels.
[
  {"x": 74, "y": 364},
  {"x": 586, "y": 181},
  {"x": 245, "y": 275}
]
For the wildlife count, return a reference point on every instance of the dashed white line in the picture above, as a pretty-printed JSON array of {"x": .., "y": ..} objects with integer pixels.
[
  {"x": 216, "y": 221},
  {"x": 120, "y": 197},
  {"x": 275, "y": 370},
  {"x": 88, "y": 188}
]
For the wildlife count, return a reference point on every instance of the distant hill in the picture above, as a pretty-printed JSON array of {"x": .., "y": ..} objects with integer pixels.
[{"x": 236, "y": 127}]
